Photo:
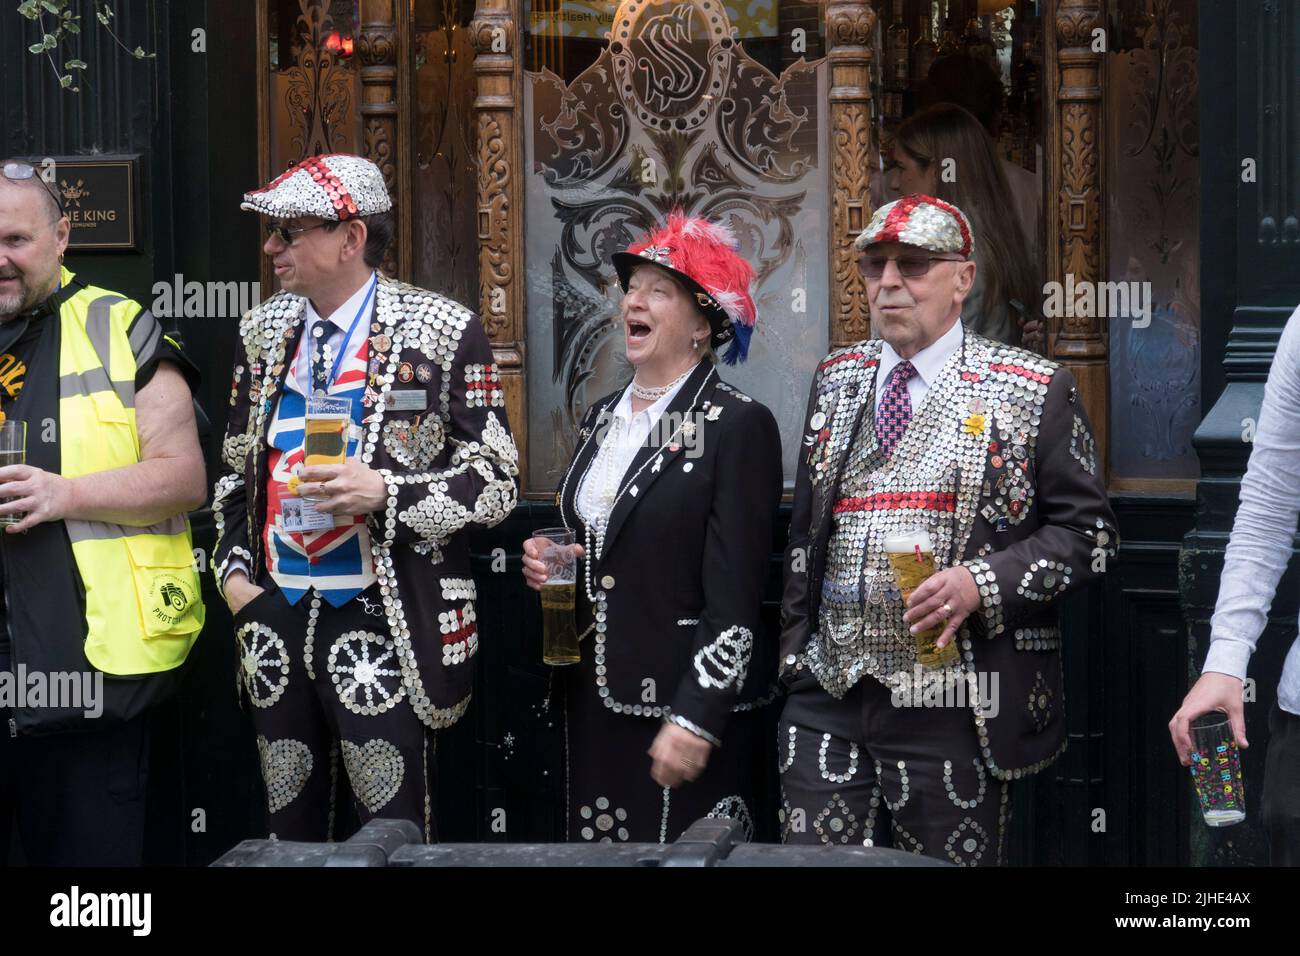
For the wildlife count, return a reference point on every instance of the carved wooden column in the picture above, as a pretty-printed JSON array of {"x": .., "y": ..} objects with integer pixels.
[
  {"x": 848, "y": 37},
  {"x": 499, "y": 76},
  {"x": 384, "y": 137},
  {"x": 1075, "y": 212}
]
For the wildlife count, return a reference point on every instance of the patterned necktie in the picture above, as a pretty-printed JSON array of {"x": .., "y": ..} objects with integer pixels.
[
  {"x": 895, "y": 412},
  {"x": 322, "y": 332}
]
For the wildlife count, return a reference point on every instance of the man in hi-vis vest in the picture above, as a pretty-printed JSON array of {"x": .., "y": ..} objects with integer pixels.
[{"x": 100, "y": 598}]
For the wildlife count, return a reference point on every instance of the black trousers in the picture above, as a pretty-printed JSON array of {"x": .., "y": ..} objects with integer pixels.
[
  {"x": 1280, "y": 804},
  {"x": 74, "y": 799},
  {"x": 325, "y": 686},
  {"x": 863, "y": 771}
]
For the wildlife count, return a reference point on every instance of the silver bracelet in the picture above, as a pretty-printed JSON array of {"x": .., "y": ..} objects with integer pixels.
[{"x": 694, "y": 728}]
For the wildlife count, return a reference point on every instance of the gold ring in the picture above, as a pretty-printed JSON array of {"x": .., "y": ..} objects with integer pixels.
[{"x": 947, "y": 609}]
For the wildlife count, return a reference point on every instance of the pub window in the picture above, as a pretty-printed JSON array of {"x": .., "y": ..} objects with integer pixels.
[
  {"x": 1153, "y": 205},
  {"x": 627, "y": 116}
]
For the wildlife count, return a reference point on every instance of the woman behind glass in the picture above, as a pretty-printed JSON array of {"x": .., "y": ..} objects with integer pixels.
[{"x": 946, "y": 137}]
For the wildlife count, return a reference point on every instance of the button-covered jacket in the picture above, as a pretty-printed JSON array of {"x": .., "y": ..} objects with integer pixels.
[
  {"x": 1029, "y": 517},
  {"x": 672, "y": 603},
  {"x": 447, "y": 458}
]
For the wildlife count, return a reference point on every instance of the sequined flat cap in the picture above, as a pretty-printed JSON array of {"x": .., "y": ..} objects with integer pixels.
[
  {"x": 921, "y": 221},
  {"x": 333, "y": 186}
]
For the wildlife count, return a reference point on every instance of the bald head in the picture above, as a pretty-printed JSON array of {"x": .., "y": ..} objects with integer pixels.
[{"x": 33, "y": 236}]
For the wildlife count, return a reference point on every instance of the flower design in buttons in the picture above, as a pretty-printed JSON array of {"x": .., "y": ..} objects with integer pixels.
[
  {"x": 365, "y": 673},
  {"x": 603, "y": 822},
  {"x": 264, "y": 664}
]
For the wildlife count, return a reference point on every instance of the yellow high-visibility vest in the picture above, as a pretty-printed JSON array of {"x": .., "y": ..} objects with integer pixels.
[{"x": 144, "y": 609}]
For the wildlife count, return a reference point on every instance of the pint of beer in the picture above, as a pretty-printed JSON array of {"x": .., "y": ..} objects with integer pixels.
[
  {"x": 559, "y": 630},
  {"x": 325, "y": 435},
  {"x": 911, "y": 555},
  {"x": 13, "y": 451}
]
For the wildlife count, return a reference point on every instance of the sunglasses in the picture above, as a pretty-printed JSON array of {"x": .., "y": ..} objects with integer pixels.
[
  {"x": 910, "y": 264},
  {"x": 286, "y": 235},
  {"x": 20, "y": 172}
]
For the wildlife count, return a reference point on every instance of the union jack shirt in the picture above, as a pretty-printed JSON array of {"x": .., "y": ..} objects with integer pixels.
[{"x": 335, "y": 561}]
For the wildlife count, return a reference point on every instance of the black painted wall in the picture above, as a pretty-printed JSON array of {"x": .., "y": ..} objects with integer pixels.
[
  {"x": 191, "y": 117},
  {"x": 1250, "y": 284}
]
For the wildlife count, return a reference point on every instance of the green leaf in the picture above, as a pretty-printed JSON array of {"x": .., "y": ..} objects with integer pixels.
[
  {"x": 72, "y": 27},
  {"x": 49, "y": 42},
  {"x": 65, "y": 80},
  {"x": 75, "y": 64},
  {"x": 36, "y": 48},
  {"x": 31, "y": 9},
  {"x": 102, "y": 18},
  {"x": 52, "y": 7},
  {"x": 139, "y": 53}
]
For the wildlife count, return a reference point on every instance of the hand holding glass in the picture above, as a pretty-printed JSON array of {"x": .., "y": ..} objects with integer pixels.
[
  {"x": 911, "y": 555},
  {"x": 325, "y": 432},
  {"x": 1216, "y": 770},
  {"x": 13, "y": 451}
]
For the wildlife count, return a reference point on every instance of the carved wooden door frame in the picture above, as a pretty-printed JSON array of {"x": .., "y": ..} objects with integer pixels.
[
  {"x": 498, "y": 71},
  {"x": 1075, "y": 215}
]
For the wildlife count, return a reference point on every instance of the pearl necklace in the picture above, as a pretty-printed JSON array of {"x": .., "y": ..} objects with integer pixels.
[{"x": 654, "y": 394}]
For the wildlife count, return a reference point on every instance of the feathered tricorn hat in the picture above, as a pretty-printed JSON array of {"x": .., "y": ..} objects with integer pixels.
[{"x": 702, "y": 256}]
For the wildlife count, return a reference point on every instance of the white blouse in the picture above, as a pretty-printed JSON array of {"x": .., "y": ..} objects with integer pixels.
[{"x": 625, "y": 436}]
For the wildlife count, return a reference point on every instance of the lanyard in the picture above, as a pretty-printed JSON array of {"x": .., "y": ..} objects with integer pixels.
[{"x": 347, "y": 340}]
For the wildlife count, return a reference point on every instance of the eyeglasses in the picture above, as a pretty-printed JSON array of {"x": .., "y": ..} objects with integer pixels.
[
  {"x": 285, "y": 234},
  {"x": 20, "y": 172},
  {"x": 910, "y": 264}
]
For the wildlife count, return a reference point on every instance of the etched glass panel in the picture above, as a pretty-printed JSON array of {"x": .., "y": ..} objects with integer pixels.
[
  {"x": 669, "y": 108},
  {"x": 444, "y": 224},
  {"x": 1153, "y": 202},
  {"x": 315, "y": 81}
]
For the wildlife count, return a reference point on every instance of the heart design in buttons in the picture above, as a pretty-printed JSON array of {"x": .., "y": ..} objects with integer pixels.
[
  {"x": 375, "y": 769},
  {"x": 286, "y": 765}
]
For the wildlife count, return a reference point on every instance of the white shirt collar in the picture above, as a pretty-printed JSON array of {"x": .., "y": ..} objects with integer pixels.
[
  {"x": 623, "y": 409},
  {"x": 928, "y": 362},
  {"x": 344, "y": 314}
]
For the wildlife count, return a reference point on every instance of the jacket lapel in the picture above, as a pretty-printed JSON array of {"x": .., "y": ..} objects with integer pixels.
[
  {"x": 285, "y": 333},
  {"x": 855, "y": 410},
  {"x": 641, "y": 474},
  {"x": 588, "y": 445},
  {"x": 283, "y": 347}
]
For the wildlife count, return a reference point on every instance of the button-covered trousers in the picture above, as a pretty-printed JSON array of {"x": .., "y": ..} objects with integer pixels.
[
  {"x": 325, "y": 688},
  {"x": 862, "y": 771}
]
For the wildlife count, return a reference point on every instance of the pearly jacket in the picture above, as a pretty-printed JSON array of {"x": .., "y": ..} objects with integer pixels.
[
  {"x": 1030, "y": 518},
  {"x": 447, "y": 458},
  {"x": 672, "y": 603}
]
